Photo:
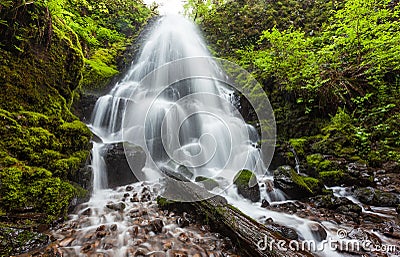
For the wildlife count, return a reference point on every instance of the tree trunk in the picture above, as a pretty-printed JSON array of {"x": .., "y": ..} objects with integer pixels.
[{"x": 248, "y": 236}]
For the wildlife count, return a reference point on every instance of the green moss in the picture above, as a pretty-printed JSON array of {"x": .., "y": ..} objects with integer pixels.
[
  {"x": 313, "y": 184},
  {"x": 331, "y": 178},
  {"x": 299, "y": 180},
  {"x": 244, "y": 178},
  {"x": 163, "y": 202},
  {"x": 298, "y": 145}
]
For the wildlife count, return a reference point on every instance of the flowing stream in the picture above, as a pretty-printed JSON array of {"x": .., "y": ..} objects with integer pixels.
[{"x": 184, "y": 125}]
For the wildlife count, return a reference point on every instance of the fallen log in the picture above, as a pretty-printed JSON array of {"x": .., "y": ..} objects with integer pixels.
[{"x": 250, "y": 238}]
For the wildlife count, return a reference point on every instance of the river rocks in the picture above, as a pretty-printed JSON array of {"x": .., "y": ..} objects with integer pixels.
[
  {"x": 375, "y": 197},
  {"x": 135, "y": 229},
  {"x": 329, "y": 201},
  {"x": 116, "y": 157},
  {"x": 294, "y": 185},
  {"x": 247, "y": 185}
]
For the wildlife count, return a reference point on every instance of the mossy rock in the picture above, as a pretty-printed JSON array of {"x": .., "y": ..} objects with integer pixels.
[
  {"x": 246, "y": 182},
  {"x": 208, "y": 183},
  {"x": 376, "y": 197},
  {"x": 336, "y": 178},
  {"x": 295, "y": 185}
]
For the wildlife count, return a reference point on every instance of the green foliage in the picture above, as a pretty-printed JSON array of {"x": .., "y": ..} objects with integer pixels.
[
  {"x": 329, "y": 67},
  {"x": 299, "y": 145}
]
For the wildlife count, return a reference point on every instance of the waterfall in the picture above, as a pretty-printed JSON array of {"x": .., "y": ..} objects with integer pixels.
[{"x": 174, "y": 103}]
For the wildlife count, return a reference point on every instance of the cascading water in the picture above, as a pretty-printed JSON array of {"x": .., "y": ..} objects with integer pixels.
[{"x": 181, "y": 118}]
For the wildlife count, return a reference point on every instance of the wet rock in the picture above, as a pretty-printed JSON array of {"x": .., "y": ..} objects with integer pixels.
[
  {"x": 168, "y": 171},
  {"x": 146, "y": 197},
  {"x": 116, "y": 206},
  {"x": 86, "y": 248},
  {"x": 87, "y": 212},
  {"x": 391, "y": 167},
  {"x": 329, "y": 201},
  {"x": 294, "y": 185},
  {"x": 264, "y": 203},
  {"x": 116, "y": 157},
  {"x": 114, "y": 227},
  {"x": 208, "y": 183},
  {"x": 176, "y": 253},
  {"x": 129, "y": 188},
  {"x": 361, "y": 173},
  {"x": 168, "y": 245},
  {"x": 183, "y": 237},
  {"x": 375, "y": 197},
  {"x": 101, "y": 228},
  {"x": 318, "y": 232},
  {"x": 157, "y": 225},
  {"x": 286, "y": 232},
  {"x": 101, "y": 234},
  {"x": 182, "y": 222},
  {"x": 66, "y": 242},
  {"x": 141, "y": 252},
  {"x": 247, "y": 185}
]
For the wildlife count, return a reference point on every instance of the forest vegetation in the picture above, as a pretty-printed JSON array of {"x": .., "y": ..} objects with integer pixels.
[{"x": 331, "y": 70}]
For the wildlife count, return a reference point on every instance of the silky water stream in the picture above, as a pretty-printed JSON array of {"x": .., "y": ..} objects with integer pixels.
[{"x": 180, "y": 118}]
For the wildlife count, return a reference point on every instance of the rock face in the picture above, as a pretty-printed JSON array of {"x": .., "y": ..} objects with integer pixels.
[
  {"x": 119, "y": 172},
  {"x": 294, "y": 185},
  {"x": 375, "y": 197},
  {"x": 247, "y": 185}
]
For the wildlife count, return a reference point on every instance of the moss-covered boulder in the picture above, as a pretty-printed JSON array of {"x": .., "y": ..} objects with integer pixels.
[
  {"x": 295, "y": 185},
  {"x": 376, "y": 197},
  {"x": 208, "y": 183},
  {"x": 336, "y": 178},
  {"x": 247, "y": 185}
]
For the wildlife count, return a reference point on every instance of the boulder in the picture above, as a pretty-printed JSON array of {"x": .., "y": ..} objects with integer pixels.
[
  {"x": 294, "y": 185},
  {"x": 208, "y": 183},
  {"x": 376, "y": 197},
  {"x": 247, "y": 185},
  {"x": 318, "y": 231},
  {"x": 117, "y": 157}
]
